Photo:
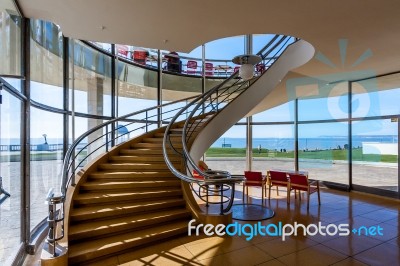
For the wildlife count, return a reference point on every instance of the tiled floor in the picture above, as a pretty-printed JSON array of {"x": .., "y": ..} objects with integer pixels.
[{"x": 354, "y": 209}]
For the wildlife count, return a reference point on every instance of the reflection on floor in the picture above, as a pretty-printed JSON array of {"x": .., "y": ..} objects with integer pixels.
[{"x": 355, "y": 209}]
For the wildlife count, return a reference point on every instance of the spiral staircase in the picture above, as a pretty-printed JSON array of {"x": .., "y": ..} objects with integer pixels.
[{"x": 141, "y": 191}]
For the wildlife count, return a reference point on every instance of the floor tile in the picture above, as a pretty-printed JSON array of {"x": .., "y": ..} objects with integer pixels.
[
  {"x": 352, "y": 245},
  {"x": 112, "y": 261},
  {"x": 318, "y": 255},
  {"x": 334, "y": 216},
  {"x": 246, "y": 256},
  {"x": 395, "y": 241},
  {"x": 216, "y": 246},
  {"x": 176, "y": 256},
  {"x": 365, "y": 208},
  {"x": 172, "y": 247},
  {"x": 278, "y": 247},
  {"x": 381, "y": 215},
  {"x": 349, "y": 262},
  {"x": 275, "y": 262},
  {"x": 384, "y": 254},
  {"x": 394, "y": 222}
]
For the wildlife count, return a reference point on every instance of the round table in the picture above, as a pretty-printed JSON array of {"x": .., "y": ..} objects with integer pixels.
[{"x": 251, "y": 212}]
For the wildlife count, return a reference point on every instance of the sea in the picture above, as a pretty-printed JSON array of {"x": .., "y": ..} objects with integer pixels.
[{"x": 319, "y": 143}]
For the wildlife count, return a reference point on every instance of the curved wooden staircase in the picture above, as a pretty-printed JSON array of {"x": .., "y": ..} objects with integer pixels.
[{"x": 127, "y": 199}]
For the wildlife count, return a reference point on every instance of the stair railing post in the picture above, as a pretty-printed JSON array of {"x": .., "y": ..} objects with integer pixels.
[
  {"x": 52, "y": 221},
  {"x": 107, "y": 138},
  {"x": 147, "y": 121}
]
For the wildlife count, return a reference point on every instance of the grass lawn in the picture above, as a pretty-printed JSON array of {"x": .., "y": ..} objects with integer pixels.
[{"x": 321, "y": 155}]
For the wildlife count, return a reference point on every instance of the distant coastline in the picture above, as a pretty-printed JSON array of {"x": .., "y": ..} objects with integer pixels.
[{"x": 319, "y": 143}]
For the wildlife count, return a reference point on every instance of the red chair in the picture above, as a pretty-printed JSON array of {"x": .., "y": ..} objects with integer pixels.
[
  {"x": 209, "y": 69},
  {"x": 254, "y": 179},
  {"x": 260, "y": 68},
  {"x": 191, "y": 67},
  {"x": 301, "y": 183},
  {"x": 122, "y": 50},
  {"x": 203, "y": 167},
  {"x": 140, "y": 56},
  {"x": 278, "y": 179}
]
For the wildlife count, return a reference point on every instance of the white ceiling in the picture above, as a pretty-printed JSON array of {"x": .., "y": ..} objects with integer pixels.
[
  {"x": 182, "y": 25},
  {"x": 367, "y": 26}
]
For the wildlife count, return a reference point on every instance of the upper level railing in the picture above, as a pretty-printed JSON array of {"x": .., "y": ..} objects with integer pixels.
[
  {"x": 174, "y": 63},
  {"x": 200, "y": 110}
]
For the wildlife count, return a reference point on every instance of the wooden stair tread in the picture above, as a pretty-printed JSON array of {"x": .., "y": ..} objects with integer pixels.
[
  {"x": 84, "y": 251},
  {"x": 144, "y": 151},
  {"x": 143, "y": 158},
  {"x": 91, "y": 195},
  {"x": 106, "y": 210},
  {"x": 152, "y": 145},
  {"x": 128, "y": 175},
  {"x": 98, "y": 185},
  {"x": 97, "y": 227}
]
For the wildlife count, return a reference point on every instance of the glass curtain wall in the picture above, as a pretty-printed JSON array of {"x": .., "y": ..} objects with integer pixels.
[
  {"x": 92, "y": 80},
  {"x": 10, "y": 134},
  {"x": 229, "y": 151},
  {"x": 46, "y": 160},
  {"x": 324, "y": 147},
  {"x": 46, "y": 128},
  {"x": 375, "y": 130},
  {"x": 10, "y": 39},
  {"x": 273, "y": 144},
  {"x": 46, "y": 61},
  {"x": 10, "y": 177},
  {"x": 324, "y": 151},
  {"x": 273, "y": 147}
]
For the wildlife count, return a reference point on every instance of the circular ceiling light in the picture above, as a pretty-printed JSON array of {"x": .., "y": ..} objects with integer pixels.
[
  {"x": 246, "y": 71},
  {"x": 247, "y": 62}
]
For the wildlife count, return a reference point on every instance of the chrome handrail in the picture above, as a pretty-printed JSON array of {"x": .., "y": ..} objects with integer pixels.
[
  {"x": 70, "y": 153},
  {"x": 215, "y": 99}
]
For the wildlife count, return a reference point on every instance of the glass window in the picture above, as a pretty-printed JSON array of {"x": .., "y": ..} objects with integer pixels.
[
  {"x": 376, "y": 97},
  {"x": 323, "y": 151},
  {"x": 176, "y": 87},
  {"x": 326, "y": 102},
  {"x": 97, "y": 139},
  {"x": 218, "y": 49},
  {"x": 10, "y": 39},
  {"x": 46, "y": 64},
  {"x": 228, "y": 153},
  {"x": 10, "y": 173},
  {"x": 260, "y": 40},
  {"x": 273, "y": 147},
  {"x": 375, "y": 153},
  {"x": 137, "y": 88},
  {"x": 15, "y": 83},
  {"x": 92, "y": 80},
  {"x": 46, "y": 160},
  {"x": 280, "y": 113}
]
